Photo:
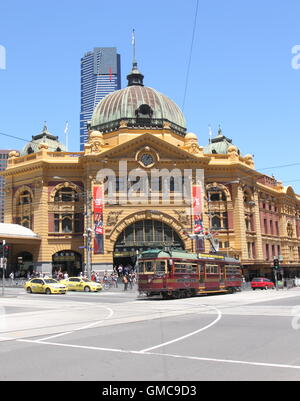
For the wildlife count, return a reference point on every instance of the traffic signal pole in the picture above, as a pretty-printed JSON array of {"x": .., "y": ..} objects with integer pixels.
[
  {"x": 3, "y": 266},
  {"x": 275, "y": 268}
]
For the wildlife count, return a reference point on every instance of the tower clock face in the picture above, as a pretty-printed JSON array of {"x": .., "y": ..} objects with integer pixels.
[{"x": 147, "y": 159}]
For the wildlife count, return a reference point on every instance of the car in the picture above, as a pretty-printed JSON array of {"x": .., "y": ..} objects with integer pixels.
[
  {"x": 45, "y": 286},
  {"x": 262, "y": 283},
  {"x": 81, "y": 284}
]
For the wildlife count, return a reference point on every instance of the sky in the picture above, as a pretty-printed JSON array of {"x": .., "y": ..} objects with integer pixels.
[{"x": 242, "y": 75}]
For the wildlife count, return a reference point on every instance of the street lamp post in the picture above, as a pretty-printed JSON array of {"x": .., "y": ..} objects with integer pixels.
[{"x": 88, "y": 234}]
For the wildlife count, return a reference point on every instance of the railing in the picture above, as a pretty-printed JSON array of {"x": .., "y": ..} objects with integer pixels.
[{"x": 38, "y": 155}]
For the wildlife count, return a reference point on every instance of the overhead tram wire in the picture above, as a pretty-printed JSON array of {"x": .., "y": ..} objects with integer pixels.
[
  {"x": 20, "y": 139},
  {"x": 190, "y": 55}
]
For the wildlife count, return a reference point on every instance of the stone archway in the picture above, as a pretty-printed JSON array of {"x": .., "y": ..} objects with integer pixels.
[
  {"x": 67, "y": 261},
  {"x": 144, "y": 233},
  {"x": 148, "y": 215}
]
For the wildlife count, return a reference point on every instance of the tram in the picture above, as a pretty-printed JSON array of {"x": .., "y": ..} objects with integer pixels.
[{"x": 180, "y": 274}]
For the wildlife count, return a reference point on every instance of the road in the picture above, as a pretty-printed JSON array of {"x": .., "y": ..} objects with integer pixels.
[{"x": 118, "y": 336}]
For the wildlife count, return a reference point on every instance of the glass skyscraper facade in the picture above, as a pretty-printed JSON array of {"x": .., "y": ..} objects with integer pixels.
[{"x": 100, "y": 75}]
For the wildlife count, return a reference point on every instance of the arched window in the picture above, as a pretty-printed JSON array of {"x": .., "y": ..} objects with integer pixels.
[
  {"x": 216, "y": 223},
  {"x": 66, "y": 195},
  {"x": 219, "y": 221},
  {"x": 25, "y": 198},
  {"x": 147, "y": 233},
  {"x": 68, "y": 223},
  {"x": 23, "y": 208},
  {"x": 216, "y": 194}
]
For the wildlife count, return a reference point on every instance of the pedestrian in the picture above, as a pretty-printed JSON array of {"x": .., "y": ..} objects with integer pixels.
[
  {"x": 120, "y": 270},
  {"x": 105, "y": 277},
  {"x": 114, "y": 278},
  {"x": 12, "y": 276},
  {"x": 130, "y": 280},
  {"x": 125, "y": 281}
]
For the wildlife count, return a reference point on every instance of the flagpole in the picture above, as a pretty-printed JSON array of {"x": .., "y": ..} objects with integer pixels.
[
  {"x": 210, "y": 133},
  {"x": 66, "y": 133},
  {"x": 133, "y": 46}
]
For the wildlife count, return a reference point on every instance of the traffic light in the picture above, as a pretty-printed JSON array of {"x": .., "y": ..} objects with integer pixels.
[
  {"x": 276, "y": 264},
  {"x": 5, "y": 251}
]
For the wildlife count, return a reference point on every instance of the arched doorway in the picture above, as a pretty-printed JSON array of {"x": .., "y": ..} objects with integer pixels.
[
  {"x": 67, "y": 261},
  {"x": 24, "y": 264},
  {"x": 143, "y": 235}
]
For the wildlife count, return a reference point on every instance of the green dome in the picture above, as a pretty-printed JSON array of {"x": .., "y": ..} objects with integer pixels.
[
  {"x": 139, "y": 106},
  {"x": 218, "y": 145},
  {"x": 43, "y": 138}
]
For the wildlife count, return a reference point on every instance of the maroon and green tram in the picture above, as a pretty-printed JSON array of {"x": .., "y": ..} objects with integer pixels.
[{"x": 179, "y": 274}]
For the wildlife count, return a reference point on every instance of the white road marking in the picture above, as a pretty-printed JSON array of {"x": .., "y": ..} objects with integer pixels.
[
  {"x": 189, "y": 334},
  {"x": 111, "y": 312},
  {"x": 196, "y": 358},
  {"x": 6, "y": 339}
]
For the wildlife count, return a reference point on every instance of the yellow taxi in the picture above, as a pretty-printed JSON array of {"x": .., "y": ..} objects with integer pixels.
[
  {"x": 81, "y": 284},
  {"x": 45, "y": 286}
]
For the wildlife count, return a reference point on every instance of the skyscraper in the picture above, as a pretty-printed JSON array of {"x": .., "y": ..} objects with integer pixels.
[{"x": 100, "y": 75}]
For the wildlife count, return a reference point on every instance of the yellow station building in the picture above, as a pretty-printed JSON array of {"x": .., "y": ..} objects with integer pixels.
[{"x": 51, "y": 192}]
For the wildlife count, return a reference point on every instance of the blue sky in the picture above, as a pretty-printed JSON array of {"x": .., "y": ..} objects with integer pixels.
[{"x": 241, "y": 75}]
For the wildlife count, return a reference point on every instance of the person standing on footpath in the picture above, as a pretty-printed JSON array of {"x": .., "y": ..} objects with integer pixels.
[{"x": 125, "y": 281}]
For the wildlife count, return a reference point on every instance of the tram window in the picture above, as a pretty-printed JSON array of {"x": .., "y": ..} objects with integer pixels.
[
  {"x": 232, "y": 269},
  {"x": 180, "y": 268},
  {"x": 193, "y": 268},
  {"x": 141, "y": 267},
  {"x": 149, "y": 267},
  {"x": 201, "y": 268},
  {"x": 161, "y": 267},
  {"x": 212, "y": 269}
]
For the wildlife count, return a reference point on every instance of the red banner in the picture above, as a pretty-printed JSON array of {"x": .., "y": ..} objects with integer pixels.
[
  {"x": 198, "y": 216},
  {"x": 98, "y": 201},
  {"x": 198, "y": 209}
]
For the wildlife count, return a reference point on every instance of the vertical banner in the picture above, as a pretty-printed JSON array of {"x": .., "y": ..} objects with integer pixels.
[
  {"x": 198, "y": 215},
  {"x": 98, "y": 200}
]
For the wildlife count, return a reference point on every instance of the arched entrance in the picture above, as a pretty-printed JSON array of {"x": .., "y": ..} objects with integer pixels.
[
  {"x": 67, "y": 261},
  {"x": 24, "y": 264},
  {"x": 143, "y": 235}
]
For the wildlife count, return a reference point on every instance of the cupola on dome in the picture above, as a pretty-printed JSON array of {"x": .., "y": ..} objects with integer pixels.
[
  {"x": 43, "y": 139},
  {"x": 137, "y": 106}
]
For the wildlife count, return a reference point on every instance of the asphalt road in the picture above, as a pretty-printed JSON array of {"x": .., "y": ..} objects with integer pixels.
[{"x": 116, "y": 336}]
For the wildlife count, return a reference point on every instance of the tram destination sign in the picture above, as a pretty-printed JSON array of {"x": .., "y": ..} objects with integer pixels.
[{"x": 210, "y": 256}]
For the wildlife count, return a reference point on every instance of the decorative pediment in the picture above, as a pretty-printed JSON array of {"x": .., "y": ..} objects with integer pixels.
[{"x": 155, "y": 149}]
